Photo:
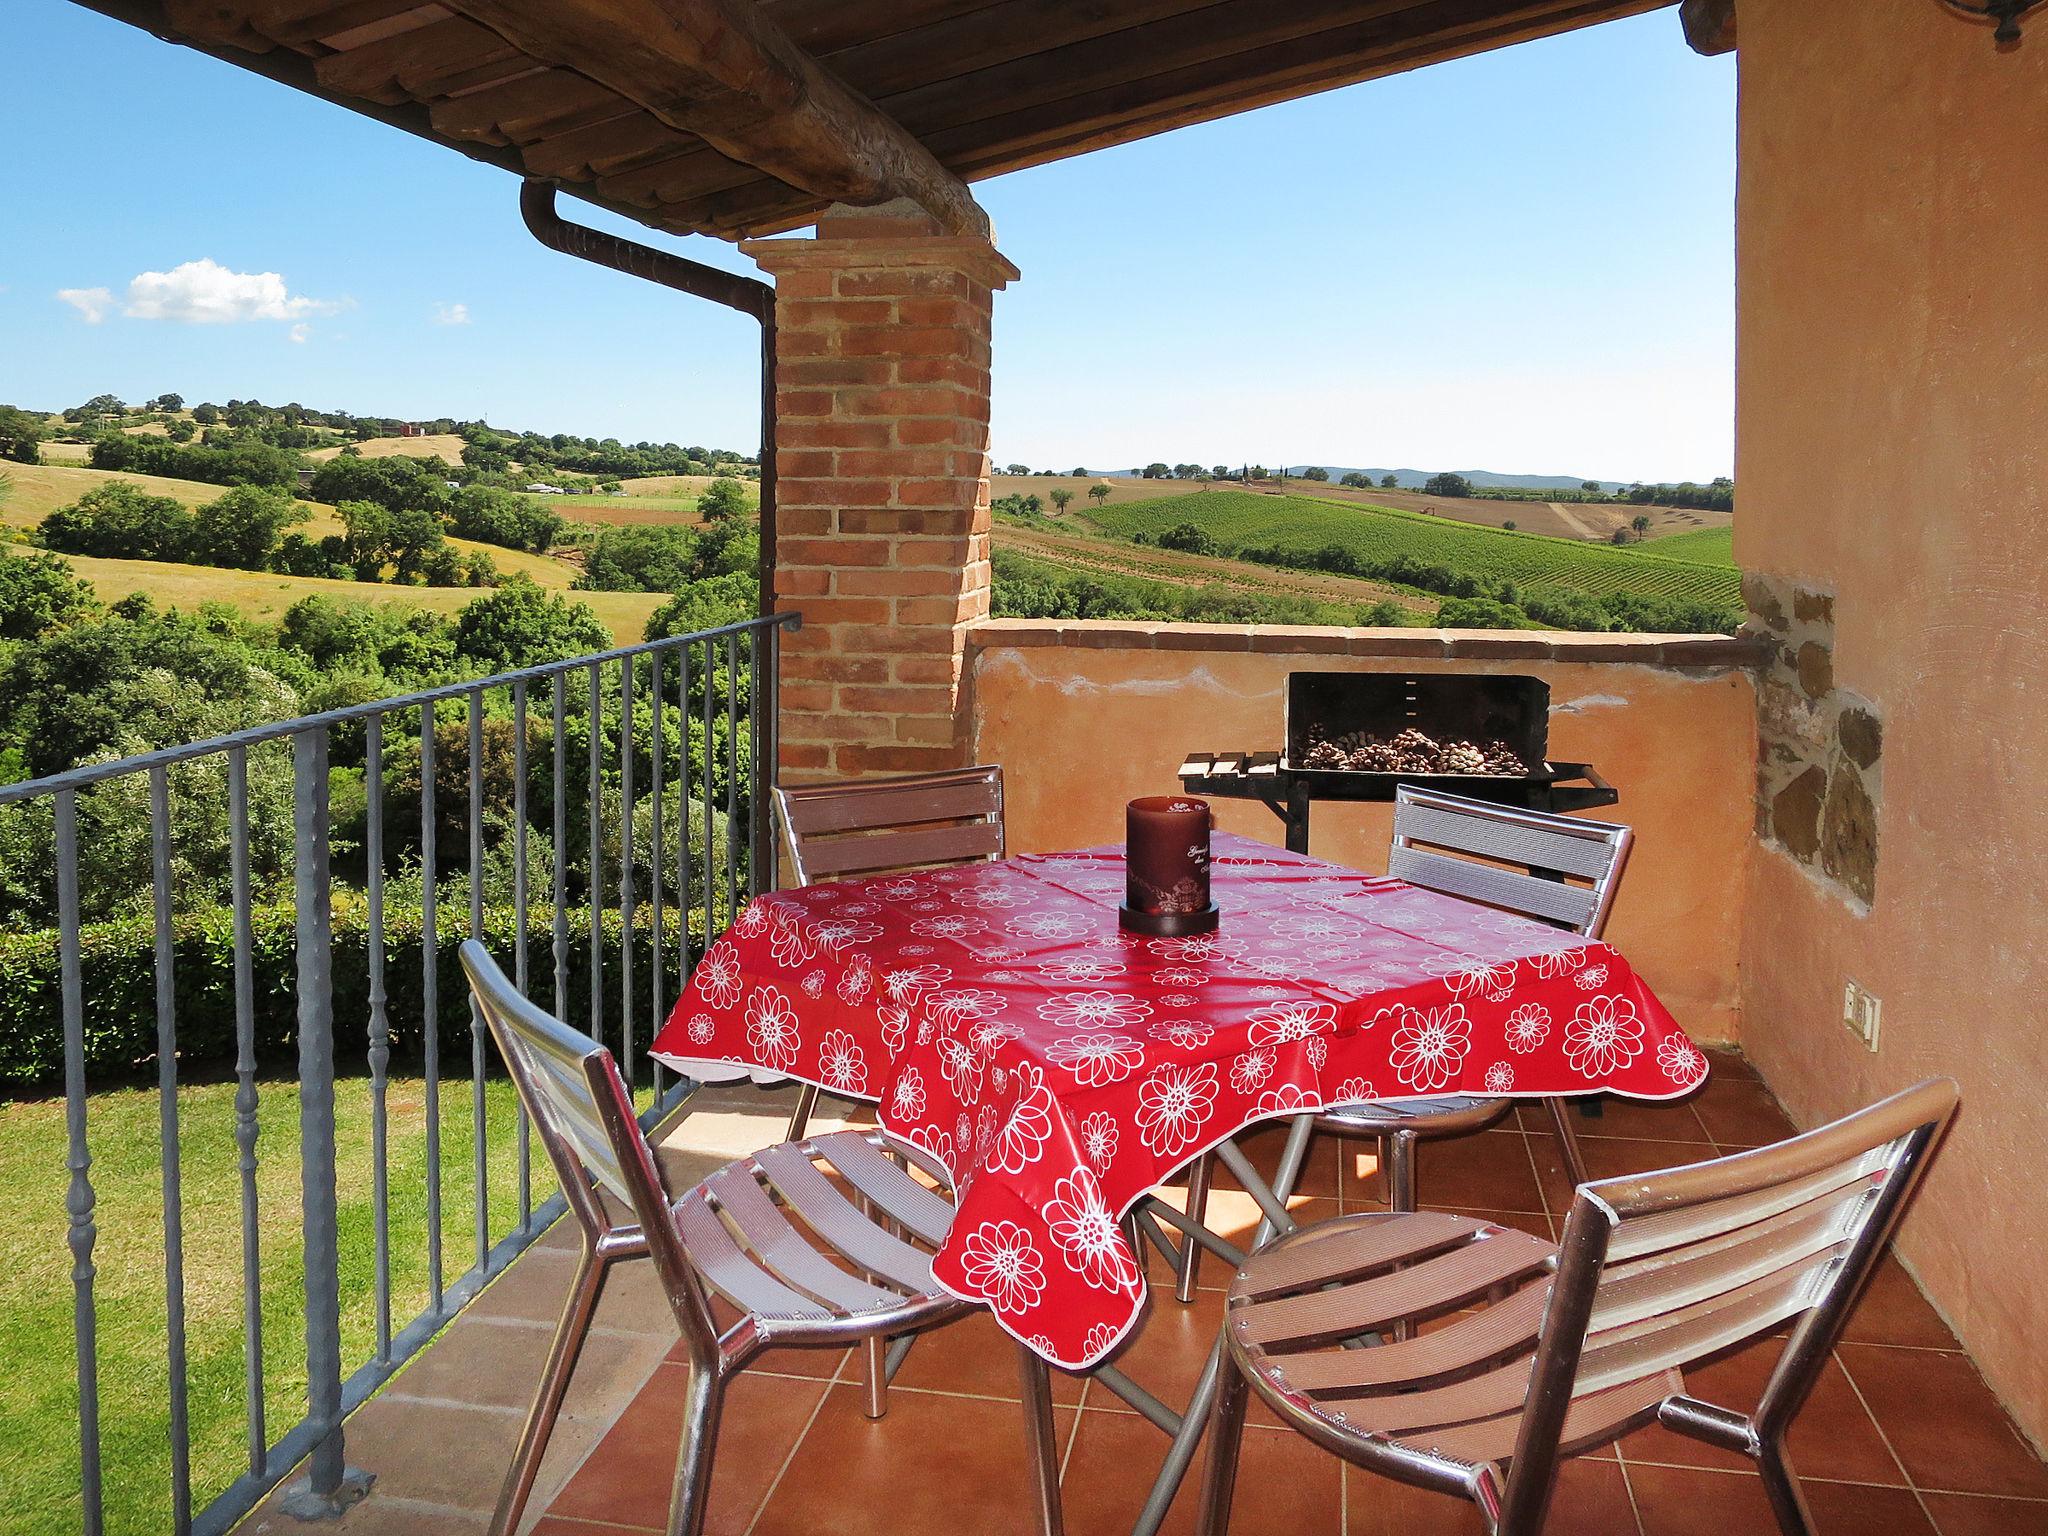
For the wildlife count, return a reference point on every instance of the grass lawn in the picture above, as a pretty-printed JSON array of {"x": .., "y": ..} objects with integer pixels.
[{"x": 38, "y": 1398}]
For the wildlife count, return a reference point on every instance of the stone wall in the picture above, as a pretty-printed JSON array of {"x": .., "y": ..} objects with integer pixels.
[{"x": 1819, "y": 746}]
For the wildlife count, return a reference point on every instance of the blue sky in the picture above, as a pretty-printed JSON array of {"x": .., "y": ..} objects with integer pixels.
[{"x": 1520, "y": 262}]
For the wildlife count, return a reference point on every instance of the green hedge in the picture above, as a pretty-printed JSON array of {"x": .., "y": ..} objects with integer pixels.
[{"x": 118, "y": 973}]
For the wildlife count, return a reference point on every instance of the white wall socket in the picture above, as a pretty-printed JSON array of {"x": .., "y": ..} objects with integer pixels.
[{"x": 1862, "y": 1013}]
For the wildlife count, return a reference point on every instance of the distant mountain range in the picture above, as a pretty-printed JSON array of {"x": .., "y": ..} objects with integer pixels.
[{"x": 1413, "y": 479}]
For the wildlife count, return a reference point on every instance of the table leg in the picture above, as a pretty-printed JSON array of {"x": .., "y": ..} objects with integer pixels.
[
  {"x": 1297, "y": 818},
  {"x": 1195, "y": 1417}
]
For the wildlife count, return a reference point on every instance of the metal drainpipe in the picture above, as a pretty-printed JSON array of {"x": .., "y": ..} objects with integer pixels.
[{"x": 748, "y": 295}]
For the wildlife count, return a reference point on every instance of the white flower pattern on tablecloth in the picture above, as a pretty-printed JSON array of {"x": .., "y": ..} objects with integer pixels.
[
  {"x": 1094, "y": 1010},
  {"x": 772, "y": 1028},
  {"x": 751, "y": 921},
  {"x": 1183, "y": 1033},
  {"x": 1180, "y": 976},
  {"x": 909, "y": 983},
  {"x": 1251, "y": 1068},
  {"x": 789, "y": 939},
  {"x": 1084, "y": 1229},
  {"x": 1174, "y": 1103},
  {"x": 1096, "y": 1058},
  {"x": 954, "y": 925},
  {"x": 1289, "y": 1099},
  {"x": 813, "y": 985},
  {"x": 1591, "y": 979},
  {"x": 1500, "y": 1077},
  {"x": 1603, "y": 1036},
  {"x": 841, "y": 1062},
  {"x": 1292, "y": 1021},
  {"x": 1079, "y": 968},
  {"x": 718, "y": 978},
  {"x": 1098, "y": 1140},
  {"x": 1559, "y": 960},
  {"x": 1681, "y": 1060},
  {"x": 962, "y": 1066},
  {"x": 1026, "y": 1128},
  {"x": 1430, "y": 1045},
  {"x": 702, "y": 1028},
  {"x": 1527, "y": 1027},
  {"x": 1003, "y": 1266},
  {"x": 895, "y": 1028},
  {"x": 834, "y": 934},
  {"x": 906, "y": 1100},
  {"x": 1049, "y": 925},
  {"x": 1354, "y": 1090},
  {"x": 1099, "y": 1338},
  {"x": 1317, "y": 1050},
  {"x": 856, "y": 981},
  {"x": 962, "y": 1005}
]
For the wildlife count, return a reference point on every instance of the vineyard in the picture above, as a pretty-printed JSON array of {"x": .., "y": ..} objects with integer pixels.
[
  {"x": 1709, "y": 546},
  {"x": 1243, "y": 521}
]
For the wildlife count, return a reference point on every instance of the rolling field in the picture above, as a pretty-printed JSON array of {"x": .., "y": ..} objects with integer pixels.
[
  {"x": 35, "y": 491},
  {"x": 444, "y": 445},
  {"x": 1250, "y": 519},
  {"x": 1709, "y": 546},
  {"x": 264, "y": 595}
]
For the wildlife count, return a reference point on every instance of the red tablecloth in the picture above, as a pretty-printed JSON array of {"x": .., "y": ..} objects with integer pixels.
[{"x": 1060, "y": 1068}]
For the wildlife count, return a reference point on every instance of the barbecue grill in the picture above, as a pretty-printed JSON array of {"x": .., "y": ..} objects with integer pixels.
[{"x": 1444, "y": 706}]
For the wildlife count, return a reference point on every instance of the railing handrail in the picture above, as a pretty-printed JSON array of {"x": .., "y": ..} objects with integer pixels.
[{"x": 94, "y": 773}]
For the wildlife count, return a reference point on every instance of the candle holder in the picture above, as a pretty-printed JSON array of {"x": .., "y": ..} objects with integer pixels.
[{"x": 1166, "y": 868}]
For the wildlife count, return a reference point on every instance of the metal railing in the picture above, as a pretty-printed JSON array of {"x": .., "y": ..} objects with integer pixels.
[{"x": 665, "y": 836}]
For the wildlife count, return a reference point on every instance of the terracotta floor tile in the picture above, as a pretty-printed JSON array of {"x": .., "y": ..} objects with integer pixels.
[
  {"x": 1960, "y": 1514},
  {"x": 556, "y": 1525},
  {"x": 1740, "y": 1112},
  {"x": 1943, "y": 1421},
  {"x": 498, "y": 1364},
  {"x": 532, "y": 1287},
  {"x": 1655, "y": 1120},
  {"x": 1832, "y": 1437},
  {"x": 1591, "y": 1500},
  {"x": 380, "y": 1514},
  {"x": 974, "y": 1357},
  {"x": 1489, "y": 1171},
  {"x": 628, "y": 1476},
  {"x": 935, "y": 1464},
  {"x": 1285, "y": 1484},
  {"x": 788, "y": 1360},
  {"x": 1679, "y": 1501},
  {"x": 436, "y": 1452},
  {"x": 1892, "y": 1311}
]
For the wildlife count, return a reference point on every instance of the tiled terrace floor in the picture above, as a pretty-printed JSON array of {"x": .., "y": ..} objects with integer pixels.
[{"x": 1901, "y": 1435}]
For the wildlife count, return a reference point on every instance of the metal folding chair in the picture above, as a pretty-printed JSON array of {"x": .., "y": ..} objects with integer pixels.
[
  {"x": 1540, "y": 1352},
  {"x": 873, "y": 826},
  {"x": 1526, "y": 862},
  {"x": 822, "y": 1242}
]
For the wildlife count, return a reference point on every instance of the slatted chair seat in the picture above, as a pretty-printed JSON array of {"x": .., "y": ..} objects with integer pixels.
[
  {"x": 1497, "y": 1353},
  {"x": 1446, "y": 1115},
  {"x": 826, "y": 1241}
]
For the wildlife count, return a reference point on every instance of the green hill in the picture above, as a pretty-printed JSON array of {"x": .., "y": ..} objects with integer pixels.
[
  {"x": 1709, "y": 546},
  {"x": 1243, "y": 521}
]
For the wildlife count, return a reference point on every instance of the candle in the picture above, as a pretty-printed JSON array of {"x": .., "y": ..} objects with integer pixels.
[{"x": 1166, "y": 856}]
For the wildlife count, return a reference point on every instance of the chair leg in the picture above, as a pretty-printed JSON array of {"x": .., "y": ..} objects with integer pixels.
[
  {"x": 703, "y": 1400},
  {"x": 539, "y": 1428},
  {"x": 800, "y": 1117},
  {"x": 1040, "y": 1439},
  {"x": 875, "y": 1358},
  {"x": 1782, "y": 1488},
  {"x": 1567, "y": 1142},
  {"x": 1199, "y": 1173},
  {"x": 1226, "y": 1430},
  {"x": 1400, "y": 1150}
]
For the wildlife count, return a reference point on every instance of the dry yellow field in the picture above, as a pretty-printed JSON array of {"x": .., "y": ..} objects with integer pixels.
[
  {"x": 261, "y": 595},
  {"x": 37, "y": 490},
  {"x": 66, "y": 453},
  {"x": 442, "y": 445}
]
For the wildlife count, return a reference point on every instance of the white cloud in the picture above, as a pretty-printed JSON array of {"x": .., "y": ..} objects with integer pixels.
[
  {"x": 204, "y": 292},
  {"x": 451, "y": 314},
  {"x": 300, "y": 331},
  {"x": 93, "y": 303}
]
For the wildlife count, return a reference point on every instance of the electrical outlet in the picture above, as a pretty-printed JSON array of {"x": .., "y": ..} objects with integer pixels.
[{"x": 1862, "y": 1013}]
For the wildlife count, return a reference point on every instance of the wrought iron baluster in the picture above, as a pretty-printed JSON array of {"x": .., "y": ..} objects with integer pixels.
[
  {"x": 479, "y": 1139},
  {"x": 246, "y": 1124},
  {"x": 596, "y": 852},
  {"x": 80, "y": 1202},
  {"x": 519, "y": 955},
  {"x": 380, "y": 1035},
  {"x": 687, "y": 954},
  {"x": 658, "y": 799},
  {"x": 430, "y": 1001},
  {"x": 626, "y": 999},
  {"x": 732, "y": 774},
  {"x": 167, "y": 1131},
  {"x": 757, "y": 791},
  {"x": 769, "y": 753},
  {"x": 561, "y": 858},
  {"x": 710, "y": 852}
]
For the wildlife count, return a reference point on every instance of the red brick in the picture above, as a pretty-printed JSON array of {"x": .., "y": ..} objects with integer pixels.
[
  {"x": 950, "y": 313},
  {"x": 899, "y": 223},
  {"x": 799, "y": 757},
  {"x": 953, "y": 491},
  {"x": 905, "y": 283},
  {"x": 800, "y": 492},
  {"x": 831, "y": 373},
  {"x": 855, "y": 759},
  {"x": 895, "y": 640},
  {"x": 795, "y": 725},
  {"x": 792, "y": 403},
  {"x": 807, "y": 696},
  {"x": 935, "y": 610},
  {"x": 847, "y": 434},
  {"x": 833, "y": 667},
  {"x": 952, "y": 432},
  {"x": 897, "y": 701},
  {"x": 925, "y": 520},
  {"x": 796, "y": 346},
  {"x": 832, "y": 553},
  {"x": 799, "y": 462},
  {"x": 950, "y": 554},
  {"x": 846, "y": 610},
  {"x": 802, "y": 285},
  {"x": 897, "y": 402},
  {"x": 894, "y": 583},
  {"x": 928, "y": 669},
  {"x": 801, "y": 520},
  {"x": 826, "y": 313},
  {"x": 801, "y": 581},
  {"x": 904, "y": 341},
  {"x": 946, "y": 370}
]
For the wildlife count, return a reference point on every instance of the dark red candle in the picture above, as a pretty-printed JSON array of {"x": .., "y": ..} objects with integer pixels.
[{"x": 1166, "y": 854}]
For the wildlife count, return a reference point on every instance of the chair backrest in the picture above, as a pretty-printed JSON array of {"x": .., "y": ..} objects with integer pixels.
[
  {"x": 1658, "y": 1270},
  {"x": 1464, "y": 847},
  {"x": 580, "y": 1107},
  {"x": 868, "y": 826}
]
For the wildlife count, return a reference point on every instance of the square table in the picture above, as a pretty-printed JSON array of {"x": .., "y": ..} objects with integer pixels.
[{"x": 1060, "y": 1069}]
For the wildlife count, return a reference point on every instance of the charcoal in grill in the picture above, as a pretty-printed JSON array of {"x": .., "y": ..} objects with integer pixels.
[{"x": 1411, "y": 752}]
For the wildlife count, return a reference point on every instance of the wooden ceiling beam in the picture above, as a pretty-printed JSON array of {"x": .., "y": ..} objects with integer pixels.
[
  {"x": 720, "y": 69},
  {"x": 1709, "y": 25}
]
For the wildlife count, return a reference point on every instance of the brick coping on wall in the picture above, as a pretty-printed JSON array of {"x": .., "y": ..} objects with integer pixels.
[{"x": 1674, "y": 651}]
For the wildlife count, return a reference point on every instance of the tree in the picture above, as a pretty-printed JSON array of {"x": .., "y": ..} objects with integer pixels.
[
  {"x": 1447, "y": 484},
  {"x": 396, "y": 484},
  {"x": 1017, "y": 469},
  {"x": 1355, "y": 480},
  {"x": 39, "y": 593},
  {"x": 519, "y": 625},
  {"x": 493, "y": 516},
  {"x": 723, "y": 498},
  {"x": 1620, "y": 536},
  {"x": 1641, "y": 524},
  {"x": 1509, "y": 525},
  {"x": 242, "y": 528},
  {"x": 1591, "y": 486},
  {"x": 1388, "y": 482},
  {"x": 1221, "y": 471},
  {"x": 181, "y": 430},
  {"x": 20, "y": 432},
  {"x": 1315, "y": 472},
  {"x": 167, "y": 402},
  {"x": 206, "y": 413},
  {"x": 1156, "y": 471},
  {"x": 1190, "y": 539},
  {"x": 1099, "y": 491},
  {"x": 1060, "y": 497},
  {"x": 119, "y": 521}
]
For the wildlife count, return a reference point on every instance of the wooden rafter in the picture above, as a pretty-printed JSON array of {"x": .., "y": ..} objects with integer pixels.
[
  {"x": 1709, "y": 25},
  {"x": 722, "y": 70}
]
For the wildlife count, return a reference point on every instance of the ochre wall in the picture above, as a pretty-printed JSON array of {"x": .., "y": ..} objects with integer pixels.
[
  {"x": 1084, "y": 717},
  {"x": 1892, "y": 237}
]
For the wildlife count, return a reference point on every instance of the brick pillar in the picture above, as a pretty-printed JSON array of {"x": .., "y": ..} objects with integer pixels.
[{"x": 882, "y": 394}]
